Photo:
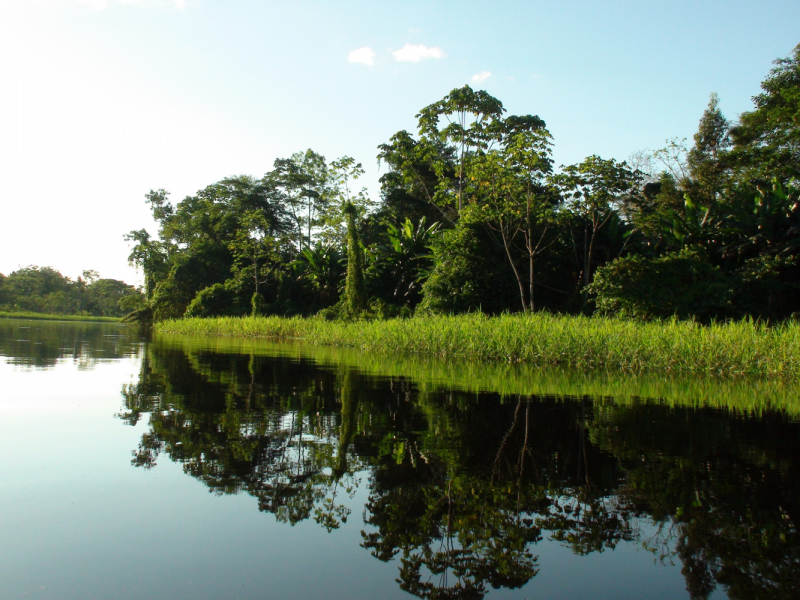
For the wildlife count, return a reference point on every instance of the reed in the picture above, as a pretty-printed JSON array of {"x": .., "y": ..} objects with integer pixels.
[{"x": 735, "y": 348}]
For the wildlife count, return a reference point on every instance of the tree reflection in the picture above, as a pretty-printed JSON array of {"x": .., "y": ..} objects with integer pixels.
[
  {"x": 459, "y": 526},
  {"x": 729, "y": 486},
  {"x": 253, "y": 427},
  {"x": 462, "y": 487},
  {"x": 43, "y": 344}
]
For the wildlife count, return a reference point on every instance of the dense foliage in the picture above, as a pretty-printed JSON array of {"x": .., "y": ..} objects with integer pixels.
[
  {"x": 475, "y": 216},
  {"x": 45, "y": 290}
]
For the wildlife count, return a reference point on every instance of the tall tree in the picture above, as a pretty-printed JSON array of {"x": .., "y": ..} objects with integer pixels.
[
  {"x": 596, "y": 187},
  {"x": 767, "y": 139},
  {"x": 300, "y": 185},
  {"x": 533, "y": 197},
  {"x": 469, "y": 115},
  {"x": 705, "y": 160}
]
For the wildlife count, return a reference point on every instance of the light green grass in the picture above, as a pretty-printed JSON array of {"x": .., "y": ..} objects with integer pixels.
[
  {"x": 738, "y": 348},
  {"x": 23, "y": 314},
  {"x": 745, "y": 394}
]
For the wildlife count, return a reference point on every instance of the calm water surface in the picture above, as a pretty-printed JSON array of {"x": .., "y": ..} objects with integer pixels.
[{"x": 173, "y": 468}]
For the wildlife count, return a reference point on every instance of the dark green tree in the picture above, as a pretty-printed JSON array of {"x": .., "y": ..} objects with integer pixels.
[
  {"x": 354, "y": 299},
  {"x": 707, "y": 168},
  {"x": 767, "y": 139}
]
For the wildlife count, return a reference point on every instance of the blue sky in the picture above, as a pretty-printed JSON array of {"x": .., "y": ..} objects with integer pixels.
[{"x": 102, "y": 100}]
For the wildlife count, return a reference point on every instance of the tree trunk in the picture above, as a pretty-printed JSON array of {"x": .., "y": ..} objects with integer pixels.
[{"x": 514, "y": 267}]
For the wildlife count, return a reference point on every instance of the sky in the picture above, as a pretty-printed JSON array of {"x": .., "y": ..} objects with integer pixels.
[{"x": 104, "y": 100}]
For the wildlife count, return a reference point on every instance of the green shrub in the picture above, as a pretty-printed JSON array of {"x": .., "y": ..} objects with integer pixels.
[
  {"x": 378, "y": 309},
  {"x": 215, "y": 300},
  {"x": 467, "y": 274},
  {"x": 682, "y": 284}
]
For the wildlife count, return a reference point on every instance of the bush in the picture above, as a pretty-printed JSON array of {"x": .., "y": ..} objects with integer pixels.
[
  {"x": 215, "y": 300},
  {"x": 682, "y": 284},
  {"x": 378, "y": 309},
  {"x": 468, "y": 274}
]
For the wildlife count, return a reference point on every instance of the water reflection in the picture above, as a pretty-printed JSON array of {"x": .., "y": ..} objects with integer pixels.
[
  {"x": 42, "y": 344},
  {"x": 462, "y": 487}
]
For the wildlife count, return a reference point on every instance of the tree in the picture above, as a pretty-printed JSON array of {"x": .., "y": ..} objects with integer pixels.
[
  {"x": 513, "y": 193},
  {"x": 344, "y": 172},
  {"x": 767, "y": 139},
  {"x": 410, "y": 187},
  {"x": 355, "y": 291},
  {"x": 301, "y": 185},
  {"x": 149, "y": 255},
  {"x": 322, "y": 267},
  {"x": 595, "y": 188},
  {"x": 469, "y": 116},
  {"x": 705, "y": 160},
  {"x": 254, "y": 247},
  {"x": 403, "y": 262}
]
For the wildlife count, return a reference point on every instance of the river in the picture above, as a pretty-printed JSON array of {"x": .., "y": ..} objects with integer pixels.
[{"x": 153, "y": 466}]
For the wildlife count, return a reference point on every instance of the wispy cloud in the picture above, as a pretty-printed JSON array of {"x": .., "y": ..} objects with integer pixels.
[
  {"x": 365, "y": 56},
  {"x": 417, "y": 52},
  {"x": 480, "y": 77}
]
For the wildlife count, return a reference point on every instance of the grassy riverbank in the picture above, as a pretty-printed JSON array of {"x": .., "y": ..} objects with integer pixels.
[
  {"x": 24, "y": 314},
  {"x": 750, "y": 395},
  {"x": 740, "y": 348}
]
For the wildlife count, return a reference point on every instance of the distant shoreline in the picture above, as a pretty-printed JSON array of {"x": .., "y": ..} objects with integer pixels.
[{"x": 21, "y": 314}]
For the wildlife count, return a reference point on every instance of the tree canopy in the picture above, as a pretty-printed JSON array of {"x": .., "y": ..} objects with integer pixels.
[{"x": 474, "y": 215}]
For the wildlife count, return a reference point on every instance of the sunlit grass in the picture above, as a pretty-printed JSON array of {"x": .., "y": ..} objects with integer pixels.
[
  {"x": 736, "y": 348},
  {"x": 433, "y": 374}
]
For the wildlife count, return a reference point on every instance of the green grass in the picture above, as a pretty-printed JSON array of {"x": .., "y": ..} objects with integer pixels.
[
  {"x": 23, "y": 314},
  {"x": 744, "y": 394},
  {"x": 737, "y": 348}
]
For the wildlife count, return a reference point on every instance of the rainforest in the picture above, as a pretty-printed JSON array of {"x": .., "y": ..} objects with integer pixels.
[{"x": 474, "y": 216}]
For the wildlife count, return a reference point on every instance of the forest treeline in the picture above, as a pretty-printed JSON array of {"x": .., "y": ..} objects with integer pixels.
[
  {"x": 474, "y": 215},
  {"x": 45, "y": 290}
]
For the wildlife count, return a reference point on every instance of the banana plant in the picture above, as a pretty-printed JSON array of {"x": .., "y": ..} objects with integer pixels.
[
  {"x": 404, "y": 258},
  {"x": 323, "y": 267},
  {"x": 694, "y": 226}
]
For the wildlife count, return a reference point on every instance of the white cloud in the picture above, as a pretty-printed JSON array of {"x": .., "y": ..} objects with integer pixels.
[
  {"x": 417, "y": 52},
  {"x": 180, "y": 4},
  {"x": 480, "y": 77},
  {"x": 365, "y": 56}
]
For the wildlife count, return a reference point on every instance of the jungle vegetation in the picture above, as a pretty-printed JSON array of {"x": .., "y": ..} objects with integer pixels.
[
  {"x": 33, "y": 291},
  {"x": 475, "y": 216}
]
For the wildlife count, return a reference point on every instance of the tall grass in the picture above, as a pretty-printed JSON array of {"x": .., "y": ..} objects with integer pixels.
[
  {"x": 736, "y": 348},
  {"x": 745, "y": 394}
]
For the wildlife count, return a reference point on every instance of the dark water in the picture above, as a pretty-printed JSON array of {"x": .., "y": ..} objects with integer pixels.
[{"x": 334, "y": 475}]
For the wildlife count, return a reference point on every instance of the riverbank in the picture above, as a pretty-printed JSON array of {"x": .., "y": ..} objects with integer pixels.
[
  {"x": 23, "y": 314},
  {"x": 430, "y": 374},
  {"x": 737, "y": 348}
]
